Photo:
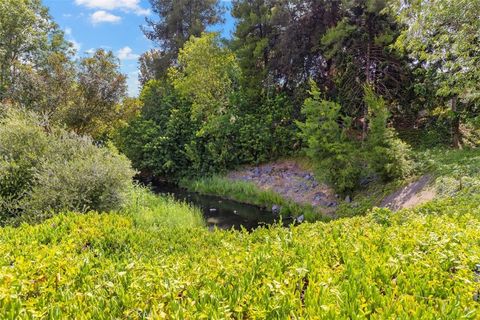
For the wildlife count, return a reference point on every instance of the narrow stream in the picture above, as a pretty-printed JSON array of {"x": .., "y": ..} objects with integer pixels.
[{"x": 219, "y": 212}]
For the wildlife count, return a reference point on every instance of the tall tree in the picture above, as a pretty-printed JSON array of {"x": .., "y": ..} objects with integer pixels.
[
  {"x": 206, "y": 74},
  {"x": 443, "y": 37},
  {"x": 359, "y": 54},
  {"x": 297, "y": 55},
  {"x": 28, "y": 36},
  {"x": 102, "y": 88},
  {"x": 178, "y": 20},
  {"x": 253, "y": 42},
  {"x": 152, "y": 66},
  {"x": 50, "y": 89},
  {"x": 277, "y": 43}
]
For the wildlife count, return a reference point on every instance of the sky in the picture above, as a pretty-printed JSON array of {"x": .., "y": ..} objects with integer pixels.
[{"x": 112, "y": 25}]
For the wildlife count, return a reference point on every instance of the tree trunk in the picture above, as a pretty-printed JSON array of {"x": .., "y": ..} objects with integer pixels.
[
  {"x": 369, "y": 82},
  {"x": 456, "y": 134}
]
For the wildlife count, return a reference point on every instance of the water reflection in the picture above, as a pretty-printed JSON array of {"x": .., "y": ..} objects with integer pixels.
[{"x": 218, "y": 212}]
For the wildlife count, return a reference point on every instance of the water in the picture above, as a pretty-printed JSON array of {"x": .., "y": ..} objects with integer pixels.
[{"x": 219, "y": 212}]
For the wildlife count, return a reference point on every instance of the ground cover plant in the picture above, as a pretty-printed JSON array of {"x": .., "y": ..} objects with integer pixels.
[{"x": 411, "y": 264}]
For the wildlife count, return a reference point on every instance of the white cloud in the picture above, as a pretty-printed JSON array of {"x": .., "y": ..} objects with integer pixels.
[
  {"x": 69, "y": 36},
  {"x": 90, "y": 51},
  {"x": 126, "y": 53},
  {"x": 125, "y": 5},
  {"x": 103, "y": 16}
]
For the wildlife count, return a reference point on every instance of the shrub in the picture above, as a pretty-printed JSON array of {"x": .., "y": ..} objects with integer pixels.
[
  {"x": 90, "y": 178},
  {"x": 48, "y": 170},
  {"x": 324, "y": 131},
  {"x": 341, "y": 160},
  {"x": 388, "y": 155},
  {"x": 22, "y": 148}
]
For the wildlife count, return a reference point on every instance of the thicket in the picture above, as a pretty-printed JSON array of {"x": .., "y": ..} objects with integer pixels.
[
  {"x": 45, "y": 170},
  {"x": 210, "y": 104}
]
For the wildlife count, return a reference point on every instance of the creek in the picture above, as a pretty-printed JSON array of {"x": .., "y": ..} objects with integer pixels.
[{"x": 220, "y": 212}]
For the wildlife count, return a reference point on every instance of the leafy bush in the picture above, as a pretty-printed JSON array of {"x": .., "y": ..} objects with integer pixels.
[
  {"x": 23, "y": 147},
  {"x": 48, "y": 170}
]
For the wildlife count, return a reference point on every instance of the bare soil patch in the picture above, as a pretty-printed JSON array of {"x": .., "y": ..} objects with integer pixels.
[{"x": 412, "y": 195}]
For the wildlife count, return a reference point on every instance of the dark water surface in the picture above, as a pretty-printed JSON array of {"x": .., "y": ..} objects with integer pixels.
[{"x": 219, "y": 212}]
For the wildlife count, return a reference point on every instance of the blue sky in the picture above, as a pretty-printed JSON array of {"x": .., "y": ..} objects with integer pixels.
[{"x": 113, "y": 25}]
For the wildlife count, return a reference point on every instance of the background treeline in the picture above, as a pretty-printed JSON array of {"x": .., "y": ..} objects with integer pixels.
[
  {"x": 343, "y": 80},
  {"x": 40, "y": 71},
  {"x": 364, "y": 66}
]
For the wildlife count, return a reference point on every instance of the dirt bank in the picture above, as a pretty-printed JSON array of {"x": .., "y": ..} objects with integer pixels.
[
  {"x": 291, "y": 181},
  {"x": 412, "y": 195}
]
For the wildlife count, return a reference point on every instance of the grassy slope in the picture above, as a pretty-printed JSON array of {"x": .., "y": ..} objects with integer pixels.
[
  {"x": 452, "y": 170},
  {"x": 150, "y": 211}
]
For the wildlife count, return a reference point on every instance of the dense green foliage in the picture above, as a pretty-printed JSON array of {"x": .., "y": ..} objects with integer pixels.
[
  {"x": 43, "y": 172},
  {"x": 196, "y": 123},
  {"x": 339, "y": 156},
  {"x": 442, "y": 38},
  {"x": 210, "y": 104},
  {"x": 413, "y": 264}
]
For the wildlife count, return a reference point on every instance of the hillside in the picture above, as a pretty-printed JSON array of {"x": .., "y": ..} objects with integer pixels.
[{"x": 155, "y": 259}]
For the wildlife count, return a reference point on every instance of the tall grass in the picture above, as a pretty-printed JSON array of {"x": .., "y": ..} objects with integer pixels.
[{"x": 151, "y": 211}]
